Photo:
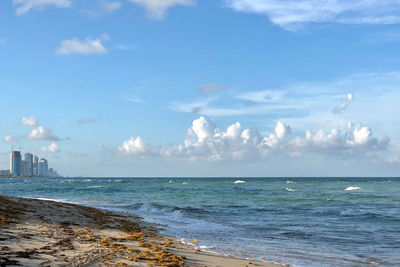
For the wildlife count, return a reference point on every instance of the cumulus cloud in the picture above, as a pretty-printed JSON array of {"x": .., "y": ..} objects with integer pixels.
[
  {"x": 136, "y": 146},
  {"x": 157, "y": 8},
  {"x": 356, "y": 139},
  {"x": 290, "y": 14},
  {"x": 87, "y": 47},
  {"x": 52, "y": 148},
  {"x": 281, "y": 130},
  {"x": 205, "y": 141},
  {"x": 10, "y": 139},
  {"x": 29, "y": 121},
  {"x": 210, "y": 88},
  {"x": 344, "y": 104},
  {"x": 24, "y": 6},
  {"x": 41, "y": 133}
]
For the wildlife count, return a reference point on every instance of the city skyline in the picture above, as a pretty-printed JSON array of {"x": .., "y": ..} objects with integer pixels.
[
  {"x": 30, "y": 166},
  {"x": 202, "y": 88}
]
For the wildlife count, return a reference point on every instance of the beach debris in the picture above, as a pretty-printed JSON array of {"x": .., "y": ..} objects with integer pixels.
[{"x": 195, "y": 241}]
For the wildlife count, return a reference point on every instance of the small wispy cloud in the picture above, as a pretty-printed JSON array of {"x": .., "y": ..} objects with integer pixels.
[
  {"x": 212, "y": 87},
  {"x": 291, "y": 15},
  {"x": 88, "y": 46},
  {"x": 90, "y": 120},
  {"x": 29, "y": 121},
  {"x": 103, "y": 7},
  {"x": 135, "y": 99},
  {"x": 52, "y": 148},
  {"x": 125, "y": 47},
  {"x": 157, "y": 9},
  {"x": 24, "y": 6},
  {"x": 266, "y": 96},
  {"x": 10, "y": 139},
  {"x": 344, "y": 104}
]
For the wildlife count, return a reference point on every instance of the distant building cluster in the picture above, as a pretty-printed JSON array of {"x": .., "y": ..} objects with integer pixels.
[{"x": 30, "y": 166}]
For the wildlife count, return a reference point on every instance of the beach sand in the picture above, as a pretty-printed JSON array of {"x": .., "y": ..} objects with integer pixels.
[{"x": 47, "y": 233}]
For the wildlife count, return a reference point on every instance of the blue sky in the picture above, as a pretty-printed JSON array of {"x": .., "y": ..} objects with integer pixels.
[{"x": 202, "y": 88}]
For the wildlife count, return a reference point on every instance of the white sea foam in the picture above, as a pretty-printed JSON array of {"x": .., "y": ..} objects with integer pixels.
[
  {"x": 87, "y": 180},
  {"x": 95, "y": 186},
  {"x": 185, "y": 183},
  {"x": 352, "y": 188},
  {"x": 289, "y": 189},
  {"x": 290, "y": 182},
  {"x": 239, "y": 182}
]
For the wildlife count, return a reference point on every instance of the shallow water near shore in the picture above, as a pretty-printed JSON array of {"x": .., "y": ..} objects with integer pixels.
[{"x": 299, "y": 221}]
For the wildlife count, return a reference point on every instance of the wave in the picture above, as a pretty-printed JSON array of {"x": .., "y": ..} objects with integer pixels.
[
  {"x": 239, "y": 182},
  {"x": 290, "y": 182},
  {"x": 95, "y": 186},
  {"x": 352, "y": 188},
  {"x": 289, "y": 189}
]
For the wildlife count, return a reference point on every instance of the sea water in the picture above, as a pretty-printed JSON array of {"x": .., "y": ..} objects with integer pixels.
[{"x": 296, "y": 221}]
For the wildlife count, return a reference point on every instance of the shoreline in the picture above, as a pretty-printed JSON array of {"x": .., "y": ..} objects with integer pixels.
[{"x": 37, "y": 232}]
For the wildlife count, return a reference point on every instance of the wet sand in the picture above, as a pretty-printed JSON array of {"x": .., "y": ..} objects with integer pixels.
[{"x": 47, "y": 233}]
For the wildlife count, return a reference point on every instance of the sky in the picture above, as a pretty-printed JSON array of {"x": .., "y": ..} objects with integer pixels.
[{"x": 148, "y": 88}]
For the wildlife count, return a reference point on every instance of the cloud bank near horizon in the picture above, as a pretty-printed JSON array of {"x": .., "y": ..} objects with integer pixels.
[{"x": 205, "y": 141}]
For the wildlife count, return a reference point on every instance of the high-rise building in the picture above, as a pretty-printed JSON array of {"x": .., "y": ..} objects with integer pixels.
[
  {"x": 15, "y": 163},
  {"x": 24, "y": 168},
  {"x": 43, "y": 167},
  {"x": 35, "y": 166},
  {"x": 29, "y": 162}
]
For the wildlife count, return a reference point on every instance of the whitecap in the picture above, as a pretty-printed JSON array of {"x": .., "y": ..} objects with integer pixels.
[
  {"x": 87, "y": 180},
  {"x": 290, "y": 182},
  {"x": 239, "y": 182},
  {"x": 185, "y": 183},
  {"x": 289, "y": 189},
  {"x": 352, "y": 188}
]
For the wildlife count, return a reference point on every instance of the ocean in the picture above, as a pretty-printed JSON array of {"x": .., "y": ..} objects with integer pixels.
[{"x": 296, "y": 221}]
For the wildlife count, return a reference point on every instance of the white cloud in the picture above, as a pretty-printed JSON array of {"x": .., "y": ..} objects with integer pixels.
[
  {"x": 344, "y": 104},
  {"x": 290, "y": 14},
  {"x": 41, "y": 133},
  {"x": 10, "y": 139},
  {"x": 357, "y": 139},
  {"x": 210, "y": 88},
  {"x": 205, "y": 141},
  {"x": 135, "y": 146},
  {"x": 281, "y": 130},
  {"x": 87, "y": 47},
  {"x": 24, "y": 6},
  {"x": 52, "y": 148},
  {"x": 29, "y": 121},
  {"x": 157, "y": 8}
]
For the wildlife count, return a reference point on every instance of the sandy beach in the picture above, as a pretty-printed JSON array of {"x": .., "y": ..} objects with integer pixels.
[{"x": 47, "y": 233}]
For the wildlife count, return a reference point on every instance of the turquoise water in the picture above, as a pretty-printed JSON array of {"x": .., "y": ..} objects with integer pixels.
[{"x": 299, "y": 221}]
